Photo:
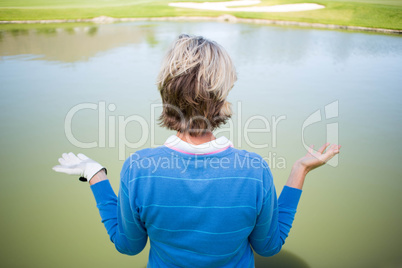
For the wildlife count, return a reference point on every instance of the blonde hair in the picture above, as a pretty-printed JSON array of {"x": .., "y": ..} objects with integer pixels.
[{"x": 194, "y": 81}]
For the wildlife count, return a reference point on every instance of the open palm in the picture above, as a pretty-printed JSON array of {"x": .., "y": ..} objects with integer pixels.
[{"x": 314, "y": 159}]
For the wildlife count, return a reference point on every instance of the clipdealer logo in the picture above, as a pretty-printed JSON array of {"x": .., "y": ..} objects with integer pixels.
[
  {"x": 331, "y": 110},
  {"x": 109, "y": 123}
]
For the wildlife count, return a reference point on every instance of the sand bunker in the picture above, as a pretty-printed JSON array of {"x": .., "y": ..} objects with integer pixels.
[{"x": 236, "y": 6}]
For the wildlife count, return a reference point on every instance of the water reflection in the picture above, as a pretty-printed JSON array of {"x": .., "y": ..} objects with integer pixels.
[
  {"x": 69, "y": 30},
  {"x": 71, "y": 44},
  {"x": 92, "y": 31},
  {"x": 47, "y": 31}
]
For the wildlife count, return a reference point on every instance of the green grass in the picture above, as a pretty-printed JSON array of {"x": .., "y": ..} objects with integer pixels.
[{"x": 367, "y": 13}]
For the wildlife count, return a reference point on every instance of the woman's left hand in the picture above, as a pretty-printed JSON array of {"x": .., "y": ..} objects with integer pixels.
[
  {"x": 78, "y": 165},
  {"x": 314, "y": 159}
]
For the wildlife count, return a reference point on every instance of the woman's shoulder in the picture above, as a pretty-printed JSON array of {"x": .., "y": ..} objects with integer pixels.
[{"x": 140, "y": 155}]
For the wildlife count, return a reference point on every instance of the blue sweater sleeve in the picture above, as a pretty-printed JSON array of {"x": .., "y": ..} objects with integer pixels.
[
  {"x": 274, "y": 220},
  {"x": 124, "y": 226}
]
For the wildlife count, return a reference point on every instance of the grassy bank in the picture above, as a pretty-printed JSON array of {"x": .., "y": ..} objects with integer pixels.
[{"x": 366, "y": 13}]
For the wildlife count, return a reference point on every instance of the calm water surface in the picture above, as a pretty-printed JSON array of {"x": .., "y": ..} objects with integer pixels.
[{"x": 349, "y": 215}]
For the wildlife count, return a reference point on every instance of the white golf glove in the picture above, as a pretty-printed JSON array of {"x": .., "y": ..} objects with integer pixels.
[{"x": 78, "y": 165}]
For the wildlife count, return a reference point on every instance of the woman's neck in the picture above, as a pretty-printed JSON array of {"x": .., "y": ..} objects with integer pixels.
[{"x": 207, "y": 137}]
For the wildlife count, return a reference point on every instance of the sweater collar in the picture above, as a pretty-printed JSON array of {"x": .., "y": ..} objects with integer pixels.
[{"x": 215, "y": 146}]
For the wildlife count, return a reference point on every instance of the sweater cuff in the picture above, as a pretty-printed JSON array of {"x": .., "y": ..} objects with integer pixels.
[
  {"x": 103, "y": 191},
  {"x": 289, "y": 197}
]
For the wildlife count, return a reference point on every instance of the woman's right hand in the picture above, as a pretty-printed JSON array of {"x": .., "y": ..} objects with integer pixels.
[{"x": 314, "y": 159}]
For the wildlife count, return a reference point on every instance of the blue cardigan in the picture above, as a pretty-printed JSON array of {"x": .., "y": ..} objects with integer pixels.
[{"x": 197, "y": 210}]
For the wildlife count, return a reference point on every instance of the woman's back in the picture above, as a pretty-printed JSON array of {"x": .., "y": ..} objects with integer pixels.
[{"x": 198, "y": 210}]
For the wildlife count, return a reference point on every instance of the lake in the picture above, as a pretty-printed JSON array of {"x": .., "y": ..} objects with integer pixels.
[{"x": 91, "y": 89}]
